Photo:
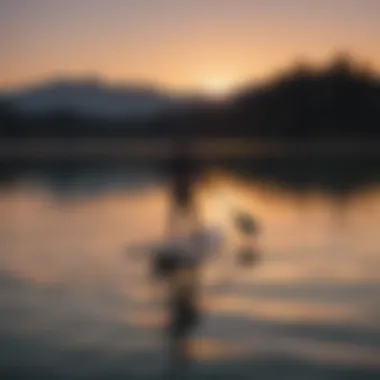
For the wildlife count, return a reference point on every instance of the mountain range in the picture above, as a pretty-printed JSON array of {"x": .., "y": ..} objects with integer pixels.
[
  {"x": 91, "y": 98},
  {"x": 339, "y": 101}
]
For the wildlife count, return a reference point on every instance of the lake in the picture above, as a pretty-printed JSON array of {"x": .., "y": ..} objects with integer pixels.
[{"x": 75, "y": 305}]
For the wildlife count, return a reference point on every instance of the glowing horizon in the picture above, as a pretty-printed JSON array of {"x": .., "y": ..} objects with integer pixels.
[{"x": 208, "y": 46}]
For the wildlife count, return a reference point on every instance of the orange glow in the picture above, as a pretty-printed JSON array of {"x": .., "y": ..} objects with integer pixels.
[
  {"x": 219, "y": 87},
  {"x": 177, "y": 46}
]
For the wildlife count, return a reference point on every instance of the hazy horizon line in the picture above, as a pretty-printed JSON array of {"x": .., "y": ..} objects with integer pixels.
[{"x": 161, "y": 88}]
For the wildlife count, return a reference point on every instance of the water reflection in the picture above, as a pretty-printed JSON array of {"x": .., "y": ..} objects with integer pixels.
[{"x": 73, "y": 305}]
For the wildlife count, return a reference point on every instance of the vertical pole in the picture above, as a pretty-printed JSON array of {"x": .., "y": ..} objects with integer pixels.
[{"x": 182, "y": 287}]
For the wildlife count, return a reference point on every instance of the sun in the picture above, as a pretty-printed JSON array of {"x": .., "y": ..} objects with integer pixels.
[{"x": 218, "y": 88}]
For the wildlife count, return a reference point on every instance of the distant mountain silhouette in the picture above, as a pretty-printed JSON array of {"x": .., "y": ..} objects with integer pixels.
[
  {"x": 90, "y": 98},
  {"x": 340, "y": 101}
]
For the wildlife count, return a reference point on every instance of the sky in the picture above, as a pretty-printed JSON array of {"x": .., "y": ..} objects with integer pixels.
[{"x": 181, "y": 45}]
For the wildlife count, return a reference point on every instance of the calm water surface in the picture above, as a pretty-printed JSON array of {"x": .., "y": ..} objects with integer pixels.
[{"x": 74, "y": 305}]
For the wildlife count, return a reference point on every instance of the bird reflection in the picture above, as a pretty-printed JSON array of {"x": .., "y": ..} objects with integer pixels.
[{"x": 188, "y": 244}]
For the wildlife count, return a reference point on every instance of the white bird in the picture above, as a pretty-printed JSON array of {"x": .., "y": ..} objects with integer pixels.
[{"x": 191, "y": 247}]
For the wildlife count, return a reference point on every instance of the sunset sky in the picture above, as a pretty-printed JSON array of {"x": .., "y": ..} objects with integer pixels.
[{"x": 179, "y": 44}]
